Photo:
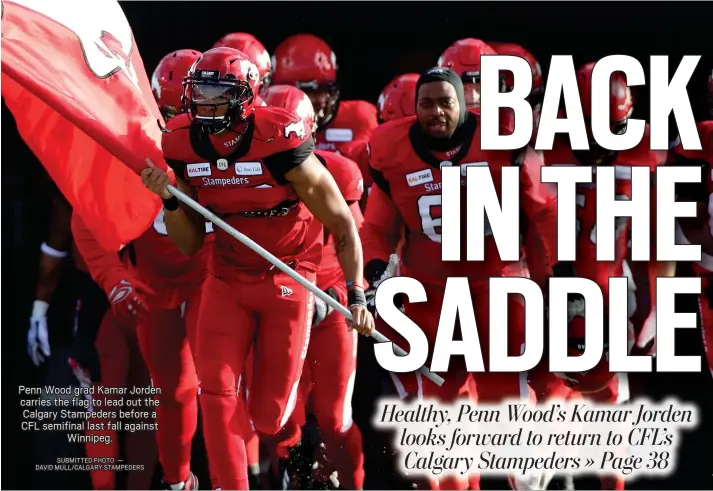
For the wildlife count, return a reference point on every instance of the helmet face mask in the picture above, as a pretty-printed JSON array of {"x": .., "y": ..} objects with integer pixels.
[
  {"x": 220, "y": 90},
  {"x": 217, "y": 104}
]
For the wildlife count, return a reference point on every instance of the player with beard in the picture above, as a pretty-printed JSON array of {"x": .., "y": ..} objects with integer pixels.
[
  {"x": 251, "y": 47},
  {"x": 253, "y": 166},
  {"x": 327, "y": 381},
  {"x": 699, "y": 229},
  {"x": 599, "y": 384},
  {"x": 443, "y": 132},
  {"x": 463, "y": 57},
  {"x": 308, "y": 63}
]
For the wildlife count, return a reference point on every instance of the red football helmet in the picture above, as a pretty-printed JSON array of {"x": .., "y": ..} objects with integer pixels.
[
  {"x": 290, "y": 97},
  {"x": 463, "y": 57},
  {"x": 620, "y": 102},
  {"x": 167, "y": 80},
  {"x": 513, "y": 49},
  {"x": 398, "y": 99},
  {"x": 307, "y": 62},
  {"x": 220, "y": 89},
  {"x": 253, "y": 49}
]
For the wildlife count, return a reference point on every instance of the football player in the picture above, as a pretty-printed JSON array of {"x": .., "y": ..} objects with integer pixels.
[
  {"x": 226, "y": 144},
  {"x": 330, "y": 368},
  {"x": 120, "y": 359},
  {"x": 252, "y": 48},
  {"x": 307, "y": 62},
  {"x": 445, "y": 133}
]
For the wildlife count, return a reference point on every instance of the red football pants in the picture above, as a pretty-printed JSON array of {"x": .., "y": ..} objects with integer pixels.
[
  {"x": 273, "y": 316},
  {"x": 483, "y": 387},
  {"x": 705, "y": 304},
  {"x": 327, "y": 385},
  {"x": 164, "y": 340},
  {"x": 121, "y": 367}
]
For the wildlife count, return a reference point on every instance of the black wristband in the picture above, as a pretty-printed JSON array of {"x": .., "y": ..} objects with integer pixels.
[
  {"x": 374, "y": 270},
  {"x": 356, "y": 297},
  {"x": 170, "y": 204}
]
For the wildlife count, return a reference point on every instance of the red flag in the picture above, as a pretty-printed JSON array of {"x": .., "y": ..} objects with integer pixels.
[{"x": 73, "y": 78}]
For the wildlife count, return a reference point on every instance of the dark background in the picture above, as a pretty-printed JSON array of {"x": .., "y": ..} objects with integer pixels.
[{"x": 373, "y": 41}]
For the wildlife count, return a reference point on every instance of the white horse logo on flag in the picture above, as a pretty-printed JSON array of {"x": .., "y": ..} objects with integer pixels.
[{"x": 102, "y": 29}]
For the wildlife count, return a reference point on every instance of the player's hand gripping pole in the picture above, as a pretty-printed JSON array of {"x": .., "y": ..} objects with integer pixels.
[{"x": 378, "y": 337}]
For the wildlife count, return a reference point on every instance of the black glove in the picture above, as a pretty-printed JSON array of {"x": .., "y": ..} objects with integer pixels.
[{"x": 321, "y": 308}]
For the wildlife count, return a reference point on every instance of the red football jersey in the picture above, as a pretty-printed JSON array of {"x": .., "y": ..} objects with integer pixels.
[
  {"x": 586, "y": 264},
  {"x": 348, "y": 177},
  {"x": 705, "y": 195},
  {"x": 355, "y": 120},
  {"x": 248, "y": 189},
  {"x": 407, "y": 190}
]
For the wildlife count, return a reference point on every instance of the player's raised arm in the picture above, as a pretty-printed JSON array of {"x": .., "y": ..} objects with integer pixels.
[{"x": 185, "y": 226}]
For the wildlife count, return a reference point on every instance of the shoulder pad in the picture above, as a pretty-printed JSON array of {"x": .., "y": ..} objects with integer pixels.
[
  {"x": 175, "y": 140},
  {"x": 180, "y": 121},
  {"x": 279, "y": 129},
  {"x": 387, "y": 140}
]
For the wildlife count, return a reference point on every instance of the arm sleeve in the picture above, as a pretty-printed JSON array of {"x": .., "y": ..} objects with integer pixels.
[
  {"x": 105, "y": 267},
  {"x": 283, "y": 162},
  {"x": 381, "y": 230},
  {"x": 539, "y": 203}
]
